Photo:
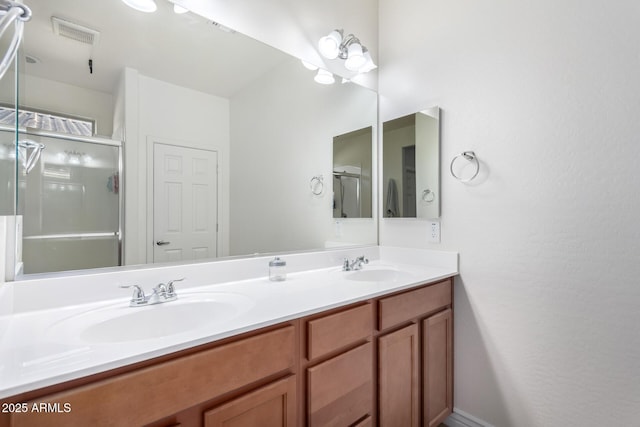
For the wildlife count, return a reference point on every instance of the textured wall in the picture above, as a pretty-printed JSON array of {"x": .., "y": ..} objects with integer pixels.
[{"x": 547, "y": 94}]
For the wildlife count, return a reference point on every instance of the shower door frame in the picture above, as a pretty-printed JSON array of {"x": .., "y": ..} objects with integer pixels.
[{"x": 91, "y": 140}]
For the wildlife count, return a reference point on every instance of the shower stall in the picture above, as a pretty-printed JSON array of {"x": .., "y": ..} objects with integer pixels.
[{"x": 69, "y": 195}]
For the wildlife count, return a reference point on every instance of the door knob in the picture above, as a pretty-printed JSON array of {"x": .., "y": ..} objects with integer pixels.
[{"x": 162, "y": 242}]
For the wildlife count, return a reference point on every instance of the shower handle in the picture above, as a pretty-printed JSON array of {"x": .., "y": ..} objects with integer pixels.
[{"x": 162, "y": 242}]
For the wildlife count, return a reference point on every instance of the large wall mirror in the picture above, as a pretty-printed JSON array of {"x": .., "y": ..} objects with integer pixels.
[
  {"x": 166, "y": 137},
  {"x": 411, "y": 165}
]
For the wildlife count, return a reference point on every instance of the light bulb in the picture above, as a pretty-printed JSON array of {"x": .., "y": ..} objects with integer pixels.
[
  {"x": 355, "y": 57},
  {"x": 324, "y": 77},
  {"x": 329, "y": 45},
  {"x": 142, "y": 5},
  {"x": 368, "y": 65}
]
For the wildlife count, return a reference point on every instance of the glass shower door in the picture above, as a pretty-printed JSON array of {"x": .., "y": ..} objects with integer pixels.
[{"x": 70, "y": 202}]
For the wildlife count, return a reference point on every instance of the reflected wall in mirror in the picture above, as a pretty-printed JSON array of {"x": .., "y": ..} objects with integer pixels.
[
  {"x": 181, "y": 96},
  {"x": 411, "y": 165},
  {"x": 352, "y": 174}
]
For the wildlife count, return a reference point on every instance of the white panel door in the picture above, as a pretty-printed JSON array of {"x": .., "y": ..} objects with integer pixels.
[{"x": 185, "y": 203}]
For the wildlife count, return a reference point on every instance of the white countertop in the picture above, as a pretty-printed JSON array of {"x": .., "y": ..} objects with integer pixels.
[{"x": 39, "y": 347}]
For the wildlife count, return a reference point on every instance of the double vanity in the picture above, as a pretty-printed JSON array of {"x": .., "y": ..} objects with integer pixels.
[{"x": 371, "y": 346}]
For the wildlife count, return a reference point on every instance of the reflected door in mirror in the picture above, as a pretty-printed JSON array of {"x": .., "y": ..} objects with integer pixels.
[{"x": 185, "y": 203}]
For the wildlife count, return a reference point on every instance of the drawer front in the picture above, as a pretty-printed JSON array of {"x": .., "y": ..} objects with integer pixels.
[
  {"x": 340, "y": 390},
  {"x": 271, "y": 406},
  {"x": 155, "y": 392},
  {"x": 335, "y": 331},
  {"x": 409, "y": 305}
]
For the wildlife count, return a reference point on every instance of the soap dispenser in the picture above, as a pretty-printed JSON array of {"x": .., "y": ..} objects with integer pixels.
[{"x": 277, "y": 270}]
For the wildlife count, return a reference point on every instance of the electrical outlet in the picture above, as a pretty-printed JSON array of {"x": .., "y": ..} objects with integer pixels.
[{"x": 434, "y": 232}]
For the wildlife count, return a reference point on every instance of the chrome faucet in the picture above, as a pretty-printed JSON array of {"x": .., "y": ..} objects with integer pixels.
[
  {"x": 356, "y": 264},
  {"x": 161, "y": 293}
]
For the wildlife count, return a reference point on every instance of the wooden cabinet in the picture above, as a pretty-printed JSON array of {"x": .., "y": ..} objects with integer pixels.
[
  {"x": 399, "y": 378},
  {"x": 340, "y": 390},
  {"x": 339, "y": 367},
  {"x": 415, "y": 375},
  {"x": 163, "y": 390},
  {"x": 437, "y": 350},
  {"x": 382, "y": 362},
  {"x": 410, "y": 305},
  {"x": 271, "y": 406},
  {"x": 334, "y": 331}
]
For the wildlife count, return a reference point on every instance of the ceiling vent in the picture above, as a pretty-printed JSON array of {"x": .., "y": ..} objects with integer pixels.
[{"x": 75, "y": 31}]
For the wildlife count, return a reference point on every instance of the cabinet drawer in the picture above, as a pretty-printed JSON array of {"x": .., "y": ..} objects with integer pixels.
[
  {"x": 409, "y": 305},
  {"x": 340, "y": 390},
  {"x": 155, "y": 392},
  {"x": 271, "y": 406},
  {"x": 337, "y": 330}
]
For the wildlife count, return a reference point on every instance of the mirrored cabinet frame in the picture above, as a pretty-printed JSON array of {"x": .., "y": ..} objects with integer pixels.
[{"x": 410, "y": 164}]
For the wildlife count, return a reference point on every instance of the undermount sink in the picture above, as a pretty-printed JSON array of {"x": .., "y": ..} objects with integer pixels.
[
  {"x": 121, "y": 323},
  {"x": 377, "y": 274}
]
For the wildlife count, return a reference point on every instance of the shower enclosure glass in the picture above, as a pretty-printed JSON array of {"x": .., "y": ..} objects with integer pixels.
[{"x": 70, "y": 202}]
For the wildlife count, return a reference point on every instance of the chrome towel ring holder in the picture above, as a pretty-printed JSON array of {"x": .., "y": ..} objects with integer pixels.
[
  {"x": 470, "y": 156},
  {"x": 317, "y": 185},
  {"x": 428, "y": 196}
]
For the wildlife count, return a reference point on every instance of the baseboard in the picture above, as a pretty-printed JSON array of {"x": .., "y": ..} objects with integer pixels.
[{"x": 462, "y": 419}]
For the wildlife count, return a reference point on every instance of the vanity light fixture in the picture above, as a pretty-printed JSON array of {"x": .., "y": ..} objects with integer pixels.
[
  {"x": 356, "y": 56},
  {"x": 324, "y": 77},
  {"x": 329, "y": 45},
  {"x": 147, "y": 6}
]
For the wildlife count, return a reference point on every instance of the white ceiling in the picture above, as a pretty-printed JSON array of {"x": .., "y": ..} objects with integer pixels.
[{"x": 186, "y": 50}]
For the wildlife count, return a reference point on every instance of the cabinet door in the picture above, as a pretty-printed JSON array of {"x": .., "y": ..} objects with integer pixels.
[
  {"x": 340, "y": 390},
  {"x": 271, "y": 406},
  {"x": 399, "y": 378},
  {"x": 437, "y": 352}
]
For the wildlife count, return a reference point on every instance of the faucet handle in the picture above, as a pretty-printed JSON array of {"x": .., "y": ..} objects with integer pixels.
[
  {"x": 138, "y": 296},
  {"x": 171, "y": 290},
  {"x": 346, "y": 266}
]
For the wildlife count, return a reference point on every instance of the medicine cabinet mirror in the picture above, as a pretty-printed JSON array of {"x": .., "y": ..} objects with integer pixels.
[
  {"x": 165, "y": 93},
  {"x": 411, "y": 165},
  {"x": 352, "y": 174}
]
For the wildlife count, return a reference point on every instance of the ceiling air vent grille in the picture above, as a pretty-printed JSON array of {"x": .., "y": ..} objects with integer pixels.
[{"x": 75, "y": 31}]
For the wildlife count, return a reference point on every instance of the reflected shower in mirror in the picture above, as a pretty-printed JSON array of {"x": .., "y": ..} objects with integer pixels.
[
  {"x": 352, "y": 172},
  {"x": 411, "y": 165},
  {"x": 176, "y": 93}
]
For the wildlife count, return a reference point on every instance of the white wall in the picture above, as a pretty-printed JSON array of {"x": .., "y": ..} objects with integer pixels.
[
  {"x": 546, "y": 93},
  {"x": 156, "y": 110},
  {"x": 273, "y": 160},
  {"x": 57, "y": 97}
]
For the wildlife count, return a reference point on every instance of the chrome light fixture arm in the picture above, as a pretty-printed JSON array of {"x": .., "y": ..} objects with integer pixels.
[{"x": 10, "y": 12}]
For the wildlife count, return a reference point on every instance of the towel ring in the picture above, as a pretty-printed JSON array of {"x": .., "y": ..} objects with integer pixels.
[
  {"x": 317, "y": 185},
  {"x": 428, "y": 196},
  {"x": 469, "y": 156}
]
